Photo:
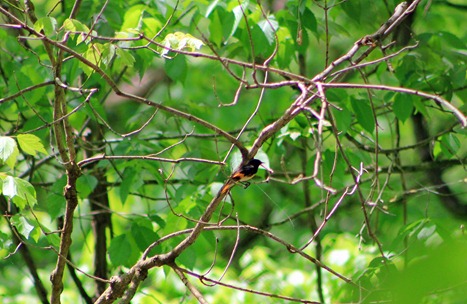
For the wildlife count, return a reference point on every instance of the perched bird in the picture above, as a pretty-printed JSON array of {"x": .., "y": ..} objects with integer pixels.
[{"x": 242, "y": 175}]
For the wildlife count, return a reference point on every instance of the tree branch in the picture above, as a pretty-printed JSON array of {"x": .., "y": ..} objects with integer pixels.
[{"x": 460, "y": 116}]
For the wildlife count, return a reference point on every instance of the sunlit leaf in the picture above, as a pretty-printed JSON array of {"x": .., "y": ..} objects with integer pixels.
[
  {"x": 20, "y": 191},
  {"x": 124, "y": 58},
  {"x": 22, "y": 225},
  {"x": 25, "y": 193},
  {"x": 236, "y": 17},
  {"x": 7, "y": 147},
  {"x": 31, "y": 144},
  {"x": 107, "y": 53},
  {"x": 81, "y": 29},
  {"x": 269, "y": 28},
  {"x": 180, "y": 41},
  {"x": 74, "y": 25},
  {"x": 151, "y": 26},
  {"x": 47, "y": 24},
  {"x": 9, "y": 187},
  {"x": 216, "y": 29},
  {"x": 133, "y": 18}
]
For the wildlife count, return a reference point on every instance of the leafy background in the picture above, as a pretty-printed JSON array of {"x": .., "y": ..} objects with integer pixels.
[{"x": 385, "y": 210}]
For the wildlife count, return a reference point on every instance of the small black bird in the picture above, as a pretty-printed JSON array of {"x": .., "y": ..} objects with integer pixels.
[{"x": 242, "y": 175}]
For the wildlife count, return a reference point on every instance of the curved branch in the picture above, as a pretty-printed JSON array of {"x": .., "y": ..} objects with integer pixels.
[
  {"x": 460, "y": 116},
  {"x": 93, "y": 159},
  {"x": 25, "y": 90}
]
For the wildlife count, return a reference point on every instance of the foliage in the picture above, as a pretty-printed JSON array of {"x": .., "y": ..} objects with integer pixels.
[{"x": 122, "y": 120}]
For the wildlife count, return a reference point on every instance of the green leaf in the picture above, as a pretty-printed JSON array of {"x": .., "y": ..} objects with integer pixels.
[
  {"x": 158, "y": 220},
  {"x": 100, "y": 53},
  {"x": 286, "y": 51},
  {"x": 211, "y": 7},
  {"x": 269, "y": 27},
  {"x": 353, "y": 9},
  {"x": 22, "y": 225},
  {"x": 234, "y": 19},
  {"x": 127, "y": 182},
  {"x": 74, "y": 25},
  {"x": 458, "y": 76},
  {"x": 309, "y": 20},
  {"x": 133, "y": 18},
  {"x": 262, "y": 45},
  {"x": 31, "y": 144},
  {"x": 410, "y": 229},
  {"x": 151, "y": 26},
  {"x": 11, "y": 161},
  {"x": 143, "y": 235},
  {"x": 124, "y": 58},
  {"x": 25, "y": 193},
  {"x": 6, "y": 242},
  {"x": 215, "y": 29},
  {"x": 176, "y": 68},
  {"x": 53, "y": 239},
  {"x": 97, "y": 107},
  {"x": 185, "y": 205},
  {"x": 19, "y": 190},
  {"x": 406, "y": 66},
  {"x": 188, "y": 260},
  {"x": 55, "y": 205},
  {"x": 364, "y": 114},
  {"x": 451, "y": 141},
  {"x": 107, "y": 51},
  {"x": 85, "y": 184},
  {"x": 420, "y": 107},
  {"x": 47, "y": 24},
  {"x": 92, "y": 56},
  {"x": 7, "y": 147},
  {"x": 120, "y": 251},
  {"x": 403, "y": 106},
  {"x": 342, "y": 117},
  {"x": 447, "y": 146},
  {"x": 56, "y": 202}
]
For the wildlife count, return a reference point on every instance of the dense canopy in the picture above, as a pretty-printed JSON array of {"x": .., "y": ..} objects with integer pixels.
[{"x": 121, "y": 123}]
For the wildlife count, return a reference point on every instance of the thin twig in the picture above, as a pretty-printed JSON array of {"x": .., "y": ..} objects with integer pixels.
[{"x": 461, "y": 117}]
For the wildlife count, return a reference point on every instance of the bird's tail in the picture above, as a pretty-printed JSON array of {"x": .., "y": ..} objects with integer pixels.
[{"x": 228, "y": 185}]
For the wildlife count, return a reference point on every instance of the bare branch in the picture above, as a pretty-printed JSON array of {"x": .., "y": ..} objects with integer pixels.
[
  {"x": 93, "y": 159},
  {"x": 194, "y": 291},
  {"x": 460, "y": 116}
]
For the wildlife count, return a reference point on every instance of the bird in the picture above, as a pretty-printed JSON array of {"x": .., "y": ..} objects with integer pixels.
[{"x": 242, "y": 175}]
